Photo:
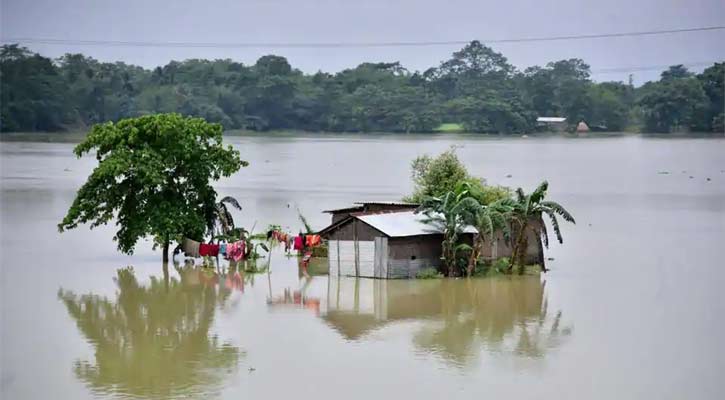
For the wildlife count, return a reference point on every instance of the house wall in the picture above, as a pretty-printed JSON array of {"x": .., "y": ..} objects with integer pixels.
[
  {"x": 534, "y": 248},
  {"x": 347, "y": 232},
  {"x": 408, "y": 255}
]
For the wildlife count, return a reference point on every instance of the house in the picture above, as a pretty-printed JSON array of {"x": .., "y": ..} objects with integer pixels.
[
  {"x": 393, "y": 243},
  {"x": 582, "y": 127},
  {"x": 551, "y": 124}
]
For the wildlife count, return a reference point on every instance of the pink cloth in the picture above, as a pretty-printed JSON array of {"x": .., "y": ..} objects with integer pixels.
[{"x": 235, "y": 251}]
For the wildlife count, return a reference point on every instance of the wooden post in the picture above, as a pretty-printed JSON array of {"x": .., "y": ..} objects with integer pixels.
[{"x": 356, "y": 248}]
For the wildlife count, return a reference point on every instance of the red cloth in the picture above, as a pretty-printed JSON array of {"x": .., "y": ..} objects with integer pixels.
[
  {"x": 206, "y": 249},
  {"x": 298, "y": 243}
]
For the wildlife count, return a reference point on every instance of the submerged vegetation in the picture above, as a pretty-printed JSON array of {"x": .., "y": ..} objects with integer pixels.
[
  {"x": 452, "y": 200},
  {"x": 475, "y": 90}
]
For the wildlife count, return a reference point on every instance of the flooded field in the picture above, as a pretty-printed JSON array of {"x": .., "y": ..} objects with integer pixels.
[{"x": 632, "y": 306}]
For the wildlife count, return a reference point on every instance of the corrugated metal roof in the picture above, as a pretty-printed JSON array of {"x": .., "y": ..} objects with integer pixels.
[
  {"x": 387, "y": 203},
  {"x": 401, "y": 224},
  {"x": 550, "y": 119},
  {"x": 354, "y": 208}
]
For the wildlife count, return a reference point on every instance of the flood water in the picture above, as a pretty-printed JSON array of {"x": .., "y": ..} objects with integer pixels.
[{"x": 632, "y": 307}]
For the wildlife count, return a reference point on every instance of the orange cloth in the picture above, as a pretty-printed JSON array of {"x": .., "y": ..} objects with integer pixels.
[{"x": 313, "y": 240}]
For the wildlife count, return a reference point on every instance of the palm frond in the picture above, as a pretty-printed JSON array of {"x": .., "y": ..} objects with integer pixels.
[
  {"x": 485, "y": 224},
  {"x": 520, "y": 195},
  {"x": 539, "y": 193},
  {"x": 555, "y": 225},
  {"x": 231, "y": 200},
  {"x": 558, "y": 209},
  {"x": 308, "y": 227}
]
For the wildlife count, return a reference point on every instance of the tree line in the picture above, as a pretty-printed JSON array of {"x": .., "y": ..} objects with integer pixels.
[{"x": 476, "y": 88}]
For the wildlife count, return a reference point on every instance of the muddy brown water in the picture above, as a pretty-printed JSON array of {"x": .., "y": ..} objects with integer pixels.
[{"x": 632, "y": 307}]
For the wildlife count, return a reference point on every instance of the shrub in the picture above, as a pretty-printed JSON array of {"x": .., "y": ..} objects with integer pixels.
[{"x": 428, "y": 273}]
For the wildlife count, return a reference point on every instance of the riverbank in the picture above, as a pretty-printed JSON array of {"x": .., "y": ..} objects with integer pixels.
[{"x": 77, "y": 136}]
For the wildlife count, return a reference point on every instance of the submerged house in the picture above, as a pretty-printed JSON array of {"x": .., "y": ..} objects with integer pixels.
[
  {"x": 390, "y": 240},
  {"x": 551, "y": 124}
]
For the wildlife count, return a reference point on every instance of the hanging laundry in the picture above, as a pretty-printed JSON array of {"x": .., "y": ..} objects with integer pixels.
[
  {"x": 210, "y": 250},
  {"x": 235, "y": 251},
  {"x": 299, "y": 243},
  {"x": 223, "y": 249},
  {"x": 190, "y": 248},
  {"x": 313, "y": 240}
]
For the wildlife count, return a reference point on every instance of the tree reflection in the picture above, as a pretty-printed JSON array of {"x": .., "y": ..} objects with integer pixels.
[
  {"x": 507, "y": 315},
  {"x": 458, "y": 318},
  {"x": 152, "y": 341}
]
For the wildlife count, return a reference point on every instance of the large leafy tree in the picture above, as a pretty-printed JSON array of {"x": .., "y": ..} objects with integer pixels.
[
  {"x": 676, "y": 103},
  {"x": 31, "y": 92},
  {"x": 153, "y": 177},
  {"x": 713, "y": 83}
]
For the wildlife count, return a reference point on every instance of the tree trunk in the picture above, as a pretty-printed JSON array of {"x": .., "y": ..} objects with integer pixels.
[
  {"x": 166, "y": 251},
  {"x": 517, "y": 247},
  {"x": 475, "y": 253}
]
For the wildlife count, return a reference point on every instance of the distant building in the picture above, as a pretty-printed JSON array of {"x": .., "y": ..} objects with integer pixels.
[
  {"x": 551, "y": 124},
  {"x": 582, "y": 127},
  {"x": 390, "y": 240}
]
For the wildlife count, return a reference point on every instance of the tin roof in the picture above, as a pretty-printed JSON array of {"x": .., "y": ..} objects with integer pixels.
[
  {"x": 337, "y": 210},
  {"x": 401, "y": 224},
  {"x": 550, "y": 119},
  {"x": 387, "y": 203}
]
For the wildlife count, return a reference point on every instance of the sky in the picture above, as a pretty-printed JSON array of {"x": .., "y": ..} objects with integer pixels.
[{"x": 305, "y": 21}]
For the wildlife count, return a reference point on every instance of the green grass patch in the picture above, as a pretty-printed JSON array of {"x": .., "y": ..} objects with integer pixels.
[
  {"x": 428, "y": 273},
  {"x": 500, "y": 267},
  {"x": 449, "y": 127}
]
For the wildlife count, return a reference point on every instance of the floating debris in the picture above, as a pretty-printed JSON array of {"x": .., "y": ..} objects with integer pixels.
[
  {"x": 664, "y": 172},
  {"x": 509, "y": 176},
  {"x": 252, "y": 369},
  {"x": 708, "y": 179},
  {"x": 692, "y": 177}
]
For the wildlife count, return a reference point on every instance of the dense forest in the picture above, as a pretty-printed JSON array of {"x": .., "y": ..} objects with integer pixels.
[{"x": 477, "y": 89}]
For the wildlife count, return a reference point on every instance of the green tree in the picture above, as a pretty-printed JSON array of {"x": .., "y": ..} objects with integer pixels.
[
  {"x": 436, "y": 176},
  {"x": 527, "y": 213},
  {"x": 712, "y": 83},
  {"x": 31, "y": 92},
  {"x": 153, "y": 177},
  {"x": 488, "y": 219},
  {"x": 449, "y": 214},
  {"x": 677, "y": 102}
]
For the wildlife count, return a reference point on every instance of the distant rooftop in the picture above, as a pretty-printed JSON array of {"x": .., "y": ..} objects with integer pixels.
[{"x": 550, "y": 119}]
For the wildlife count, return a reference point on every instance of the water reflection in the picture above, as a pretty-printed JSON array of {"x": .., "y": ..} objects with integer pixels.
[
  {"x": 458, "y": 319},
  {"x": 153, "y": 341}
]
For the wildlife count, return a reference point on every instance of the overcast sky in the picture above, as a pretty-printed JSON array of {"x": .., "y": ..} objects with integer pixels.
[{"x": 300, "y": 21}]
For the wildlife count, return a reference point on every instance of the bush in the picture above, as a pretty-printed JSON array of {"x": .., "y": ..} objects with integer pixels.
[{"x": 428, "y": 273}]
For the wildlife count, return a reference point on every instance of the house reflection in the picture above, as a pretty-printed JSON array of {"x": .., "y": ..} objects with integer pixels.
[
  {"x": 455, "y": 319},
  {"x": 153, "y": 341}
]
